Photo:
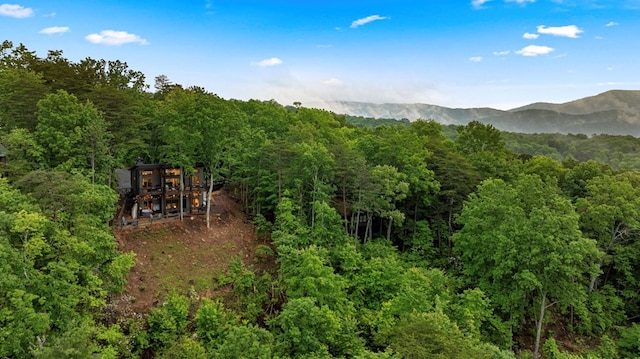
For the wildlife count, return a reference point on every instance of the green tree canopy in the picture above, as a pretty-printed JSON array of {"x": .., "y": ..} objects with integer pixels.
[{"x": 521, "y": 245}]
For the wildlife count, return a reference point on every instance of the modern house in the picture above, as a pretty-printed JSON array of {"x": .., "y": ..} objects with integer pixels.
[{"x": 154, "y": 189}]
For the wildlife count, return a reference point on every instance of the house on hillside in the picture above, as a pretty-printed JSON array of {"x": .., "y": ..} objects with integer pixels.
[{"x": 154, "y": 190}]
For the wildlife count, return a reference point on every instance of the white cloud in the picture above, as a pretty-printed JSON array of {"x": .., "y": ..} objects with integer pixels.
[
  {"x": 54, "y": 30},
  {"x": 111, "y": 37},
  {"x": 274, "y": 61},
  {"x": 478, "y": 3},
  {"x": 475, "y": 59},
  {"x": 530, "y": 36},
  {"x": 366, "y": 20},
  {"x": 326, "y": 46},
  {"x": 534, "y": 50},
  {"x": 502, "y": 53},
  {"x": 571, "y": 31},
  {"x": 15, "y": 10},
  {"x": 611, "y": 23},
  {"x": 332, "y": 82},
  {"x": 521, "y": 1}
]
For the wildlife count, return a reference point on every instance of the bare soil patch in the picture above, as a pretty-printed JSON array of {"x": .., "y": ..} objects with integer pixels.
[{"x": 184, "y": 256}]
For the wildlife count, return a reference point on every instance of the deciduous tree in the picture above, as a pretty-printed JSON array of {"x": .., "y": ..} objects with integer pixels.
[{"x": 521, "y": 245}]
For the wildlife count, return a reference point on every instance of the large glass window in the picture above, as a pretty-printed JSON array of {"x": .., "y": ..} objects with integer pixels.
[
  {"x": 195, "y": 180},
  {"x": 151, "y": 203},
  {"x": 172, "y": 172},
  {"x": 172, "y": 183},
  {"x": 195, "y": 202},
  {"x": 173, "y": 203},
  {"x": 147, "y": 180}
]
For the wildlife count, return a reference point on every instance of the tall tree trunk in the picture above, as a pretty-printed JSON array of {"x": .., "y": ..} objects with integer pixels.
[
  {"x": 259, "y": 177},
  {"x": 300, "y": 202},
  {"x": 389, "y": 228},
  {"x": 354, "y": 230},
  {"x": 367, "y": 229},
  {"x": 209, "y": 191},
  {"x": 366, "y": 232},
  {"x": 181, "y": 193},
  {"x": 371, "y": 227},
  {"x": 543, "y": 304},
  {"x": 450, "y": 234},
  {"x": 439, "y": 234},
  {"x": 344, "y": 209},
  {"x": 415, "y": 219},
  {"x": 93, "y": 167},
  {"x": 279, "y": 185},
  {"x": 594, "y": 279},
  {"x": 313, "y": 199}
]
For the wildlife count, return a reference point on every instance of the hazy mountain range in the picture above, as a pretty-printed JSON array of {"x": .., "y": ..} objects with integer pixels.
[{"x": 615, "y": 112}]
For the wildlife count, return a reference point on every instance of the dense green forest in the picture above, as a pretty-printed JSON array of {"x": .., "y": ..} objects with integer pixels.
[
  {"x": 407, "y": 241},
  {"x": 617, "y": 152}
]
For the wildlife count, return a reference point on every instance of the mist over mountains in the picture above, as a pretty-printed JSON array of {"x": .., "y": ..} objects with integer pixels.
[{"x": 615, "y": 112}]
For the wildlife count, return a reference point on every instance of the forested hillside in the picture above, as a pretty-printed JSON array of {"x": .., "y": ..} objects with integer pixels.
[
  {"x": 615, "y": 151},
  {"x": 390, "y": 242}
]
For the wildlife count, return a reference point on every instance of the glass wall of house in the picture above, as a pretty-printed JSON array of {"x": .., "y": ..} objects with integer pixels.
[
  {"x": 196, "y": 180},
  {"x": 196, "y": 201},
  {"x": 151, "y": 181},
  {"x": 173, "y": 203},
  {"x": 190, "y": 203},
  {"x": 172, "y": 179},
  {"x": 152, "y": 203},
  {"x": 157, "y": 188}
]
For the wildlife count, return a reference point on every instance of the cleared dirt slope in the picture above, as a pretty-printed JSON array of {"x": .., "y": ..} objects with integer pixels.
[{"x": 184, "y": 256}]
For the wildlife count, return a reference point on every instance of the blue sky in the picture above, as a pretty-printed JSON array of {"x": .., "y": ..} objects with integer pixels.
[{"x": 457, "y": 53}]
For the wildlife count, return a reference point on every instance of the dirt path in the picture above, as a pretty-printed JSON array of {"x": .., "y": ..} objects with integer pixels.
[{"x": 184, "y": 256}]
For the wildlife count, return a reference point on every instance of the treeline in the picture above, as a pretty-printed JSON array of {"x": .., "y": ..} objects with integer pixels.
[
  {"x": 617, "y": 152},
  {"x": 370, "y": 122},
  {"x": 391, "y": 242}
]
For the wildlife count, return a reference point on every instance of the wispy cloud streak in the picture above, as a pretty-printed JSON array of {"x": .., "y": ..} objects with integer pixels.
[
  {"x": 54, "y": 30},
  {"x": 274, "y": 61},
  {"x": 535, "y": 50},
  {"x": 111, "y": 37},
  {"x": 366, "y": 20}
]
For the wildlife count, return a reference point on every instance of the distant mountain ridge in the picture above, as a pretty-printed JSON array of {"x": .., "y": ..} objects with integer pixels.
[
  {"x": 444, "y": 115},
  {"x": 615, "y": 112},
  {"x": 625, "y": 100}
]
